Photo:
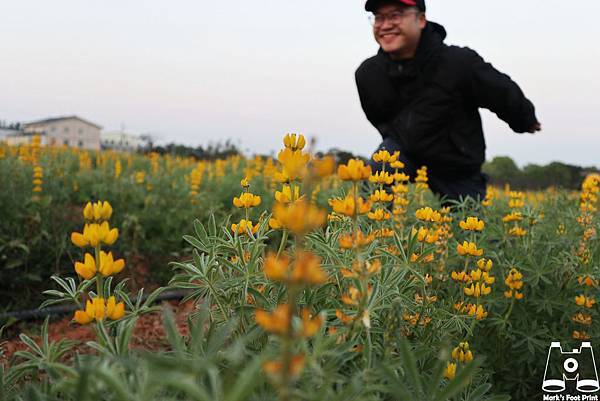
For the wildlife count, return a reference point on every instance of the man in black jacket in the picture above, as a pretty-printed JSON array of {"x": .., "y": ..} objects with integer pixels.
[{"x": 424, "y": 96}]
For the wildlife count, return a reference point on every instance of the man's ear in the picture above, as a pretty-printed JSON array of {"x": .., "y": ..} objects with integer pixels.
[{"x": 422, "y": 20}]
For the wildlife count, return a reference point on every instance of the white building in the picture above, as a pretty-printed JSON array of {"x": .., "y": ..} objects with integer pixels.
[
  {"x": 121, "y": 141},
  {"x": 70, "y": 130}
]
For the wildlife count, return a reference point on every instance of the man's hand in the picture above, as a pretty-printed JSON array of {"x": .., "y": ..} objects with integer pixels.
[{"x": 536, "y": 127}]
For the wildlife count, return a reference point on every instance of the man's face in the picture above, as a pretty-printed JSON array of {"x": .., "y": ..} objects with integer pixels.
[{"x": 397, "y": 29}]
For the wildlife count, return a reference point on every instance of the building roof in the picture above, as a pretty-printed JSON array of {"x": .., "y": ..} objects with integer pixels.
[{"x": 55, "y": 119}]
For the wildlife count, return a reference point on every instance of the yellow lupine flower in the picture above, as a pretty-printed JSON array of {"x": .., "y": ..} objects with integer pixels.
[
  {"x": 114, "y": 310},
  {"x": 476, "y": 310},
  {"x": 460, "y": 276},
  {"x": 87, "y": 269},
  {"x": 355, "y": 240},
  {"x": 295, "y": 366},
  {"x": 347, "y": 207},
  {"x": 246, "y": 200},
  {"x": 323, "y": 167},
  {"x": 462, "y": 353},
  {"x": 580, "y": 335},
  {"x": 381, "y": 177},
  {"x": 307, "y": 270},
  {"x": 450, "y": 372},
  {"x": 97, "y": 211},
  {"x": 383, "y": 156},
  {"x": 294, "y": 163},
  {"x": 428, "y": 214},
  {"x": 293, "y": 142},
  {"x": 299, "y": 217},
  {"x": 381, "y": 196},
  {"x": 517, "y": 232},
  {"x": 109, "y": 266},
  {"x": 288, "y": 194},
  {"x": 469, "y": 248},
  {"x": 485, "y": 265},
  {"x": 276, "y": 322},
  {"x": 379, "y": 215},
  {"x": 355, "y": 170},
  {"x": 477, "y": 290},
  {"x": 587, "y": 302},
  {"x": 513, "y": 216},
  {"x": 472, "y": 224},
  {"x": 244, "y": 226},
  {"x": 582, "y": 318},
  {"x": 310, "y": 325}
]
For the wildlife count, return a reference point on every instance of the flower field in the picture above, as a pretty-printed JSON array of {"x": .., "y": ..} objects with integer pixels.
[{"x": 308, "y": 279}]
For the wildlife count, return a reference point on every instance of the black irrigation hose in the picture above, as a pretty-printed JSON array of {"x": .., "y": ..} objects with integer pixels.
[{"x": 32, "y": 314}]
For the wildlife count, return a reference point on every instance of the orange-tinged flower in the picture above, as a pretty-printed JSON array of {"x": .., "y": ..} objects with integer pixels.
[
  {"x": 78, "y": 239},
  {"x": 383, "y": 156},
  {"x": 517, "y": 232},
  {"x": 513, "y": 216},
  {"x": 323, "y": 167},
  {"x": 355, "y": 170},
  {"x": 460, "y": 276},
  {"x": 307, "y": 269},
  {"x": 347, "y": 206},
  {"x": 355, "y": 240},
  {"x": 246, "y": 200},
  {"x": 580, "y": 335},
  {"x": 450, "y": 372},
  {"x": 587, "y": 280},
  {"x": 310, "y": 325},
  {"x": 472, "y": 224},
  {"x": 468, "y": 248},
  {"x": 485, "y": 265},
  {"x": 346, "y": 319},
  {"x": 582, "y": 318},
  {"x": 587, "y": 302},
  {"x": 353, "y": 297},
  {"x": 276, "y": 367},
  {"x": 276, "y": 268},
  {"x": 276, "y": 322},
  {"x": 87, "y": 269},
  {"x": 476, "y": 310}
]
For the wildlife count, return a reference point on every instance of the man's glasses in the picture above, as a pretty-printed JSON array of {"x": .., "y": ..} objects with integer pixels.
[{"x": 395, "y": 17}]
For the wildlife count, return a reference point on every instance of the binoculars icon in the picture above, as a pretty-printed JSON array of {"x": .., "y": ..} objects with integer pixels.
[{"x": 578, "y": 365}]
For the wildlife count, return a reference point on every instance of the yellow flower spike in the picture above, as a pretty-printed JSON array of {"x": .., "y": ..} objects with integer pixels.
[
  {"x": 383, "y": 156},
  {"x": 78, "y": 239},
  {"x": 428, "y": 214},
  {"x": 401, "y": 177},
  {"x": 310, "y": 325},
  {"x": 517, "y": 232},
  {"x": 472, "y": 224},
  {"x": 296, "y": 366},
  {"x": 246, "y": 200},
  {"x": 88, "y": 211},
  {"x": 450, "y": 372},
  {"x": 288, "y": 194},
  {"x": 347, "y": 207},
  {"x": 114, "y": 310},
  {"x": 355, "y": 170},
  {"x": 485, "y": 265},
  {"x": 381, "y": 177},
  {"x": 244, "y": 226},
  {"x": 91, "y": 233},
  {"x": 307, "y": 270},
  {"x": 379, "y": 215},
  {"x": 294, "y": 163},
  {"x": 276, "y": 269},
  {"x": 468, "y": 248},
  {"x": 381, "y": 196},
  {"x": 276, "y": 322},
  {"x": 87, "y": 269},
  {"x": 323, "y": 167},
  {"x": 299, "y": 217},
  {"x": 293, "y": 143}
]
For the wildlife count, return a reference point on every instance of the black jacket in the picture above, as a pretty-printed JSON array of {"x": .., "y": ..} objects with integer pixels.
[{"x": 429, "y": 104}]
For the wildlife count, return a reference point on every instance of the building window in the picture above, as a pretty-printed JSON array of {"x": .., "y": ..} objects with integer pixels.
[
  {"x": 66, "y": 129},
  {"x": 80, "y": 143},
  {"x": 66, "y": 142}
]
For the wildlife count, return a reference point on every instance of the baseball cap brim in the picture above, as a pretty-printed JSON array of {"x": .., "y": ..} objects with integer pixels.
[{"x": 371, "y": 5}]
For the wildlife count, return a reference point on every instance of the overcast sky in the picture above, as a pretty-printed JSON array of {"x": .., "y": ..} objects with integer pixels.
[{"x": 196, "y": 71}]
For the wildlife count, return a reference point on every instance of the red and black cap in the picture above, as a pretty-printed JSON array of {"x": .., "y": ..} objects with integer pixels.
[{"x": 371, "y": 5}]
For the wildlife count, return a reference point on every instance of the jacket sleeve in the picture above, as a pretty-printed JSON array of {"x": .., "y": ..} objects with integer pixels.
[{"x": 496, "y": 92}]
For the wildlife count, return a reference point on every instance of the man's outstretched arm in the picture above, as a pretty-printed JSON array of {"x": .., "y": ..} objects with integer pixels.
[{"x": 498, "y": 93}]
